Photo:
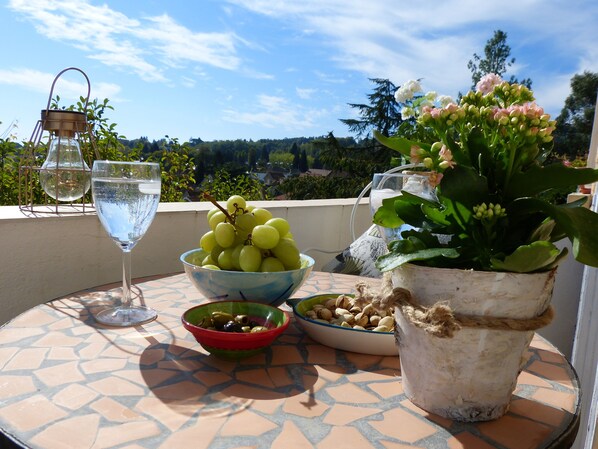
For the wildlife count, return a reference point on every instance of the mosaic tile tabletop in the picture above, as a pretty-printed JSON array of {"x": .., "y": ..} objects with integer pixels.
[{"x": 67, "y": 382}]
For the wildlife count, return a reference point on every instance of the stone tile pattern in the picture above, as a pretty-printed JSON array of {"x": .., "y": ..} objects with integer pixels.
[{"x": 67, "y": 382}]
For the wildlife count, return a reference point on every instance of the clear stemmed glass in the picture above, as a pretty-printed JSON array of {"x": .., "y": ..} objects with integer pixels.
[
  {"x": 389, "y": 185},
  {"x": 126, "y": 196}
]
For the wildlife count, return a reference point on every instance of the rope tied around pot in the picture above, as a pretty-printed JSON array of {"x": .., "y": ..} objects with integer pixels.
[{"x": 440, "y": 320}]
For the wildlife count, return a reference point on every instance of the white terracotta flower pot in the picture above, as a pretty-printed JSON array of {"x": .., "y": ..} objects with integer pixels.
[{"x": 470, "y": 376}]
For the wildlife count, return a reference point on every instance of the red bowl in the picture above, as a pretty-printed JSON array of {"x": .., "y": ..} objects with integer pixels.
[{"x": 236, "y": 345}]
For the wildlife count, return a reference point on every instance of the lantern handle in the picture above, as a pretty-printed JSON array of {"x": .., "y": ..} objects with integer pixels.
[{"x": 58, "y": 76}]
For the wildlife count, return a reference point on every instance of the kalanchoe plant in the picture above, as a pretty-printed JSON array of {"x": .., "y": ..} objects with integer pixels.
[{"x": 486, "y": 158}]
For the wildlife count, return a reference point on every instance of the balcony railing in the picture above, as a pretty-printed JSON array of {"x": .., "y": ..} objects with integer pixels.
[{"x": 47, "y": 256}]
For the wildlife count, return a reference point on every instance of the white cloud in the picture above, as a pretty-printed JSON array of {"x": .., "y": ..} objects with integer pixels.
[
  {"x": 435, "y": 40},
  {"x": 305, "y": 94},
  {"x": 67, "y": 85},
  {"x": 274, "y": 112},
  {"x": 148, "y": 46}
]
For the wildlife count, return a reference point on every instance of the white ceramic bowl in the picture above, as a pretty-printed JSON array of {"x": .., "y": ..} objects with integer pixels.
[
  {"x": 345, "y": 338},
  {"x": 266, "y": 288}
]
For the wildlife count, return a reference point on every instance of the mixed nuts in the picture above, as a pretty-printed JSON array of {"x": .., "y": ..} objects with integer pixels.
[{"x": 345, "y": 312}]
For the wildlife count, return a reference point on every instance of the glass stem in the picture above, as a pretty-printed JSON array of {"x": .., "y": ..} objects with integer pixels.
[{"x": 126, "y": 299}]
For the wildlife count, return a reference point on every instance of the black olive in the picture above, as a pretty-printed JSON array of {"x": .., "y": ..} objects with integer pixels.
[{"x": 232, "y": 326}]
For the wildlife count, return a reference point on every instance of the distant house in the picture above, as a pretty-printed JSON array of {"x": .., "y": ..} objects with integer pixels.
[
  {"x": 317, "y": 172},
  {"x": 271, "y": 177}
]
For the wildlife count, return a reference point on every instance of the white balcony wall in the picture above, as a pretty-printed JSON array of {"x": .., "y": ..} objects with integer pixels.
[{"x": 45, "y": 257}]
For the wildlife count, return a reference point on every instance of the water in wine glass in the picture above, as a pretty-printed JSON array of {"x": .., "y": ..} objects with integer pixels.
[
  {"x": 126, "y": 196},
  {"x": 126, "y": 207}
]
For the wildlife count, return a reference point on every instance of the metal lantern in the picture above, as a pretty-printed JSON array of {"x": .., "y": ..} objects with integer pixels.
[{"x": 65, "y": 175}]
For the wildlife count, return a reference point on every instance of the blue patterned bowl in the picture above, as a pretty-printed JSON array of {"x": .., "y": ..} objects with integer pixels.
[{"x": 266, "y": 288}]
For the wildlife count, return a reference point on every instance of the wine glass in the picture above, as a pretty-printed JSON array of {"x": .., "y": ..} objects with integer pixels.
[
  {"x": 389, "y": 185},
  {"x": 126, "y": 196}
]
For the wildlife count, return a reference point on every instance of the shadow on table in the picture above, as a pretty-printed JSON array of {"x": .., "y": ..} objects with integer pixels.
[{"x": 189, "y": 382}]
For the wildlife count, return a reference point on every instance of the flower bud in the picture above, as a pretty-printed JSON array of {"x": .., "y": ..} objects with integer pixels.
[
  {"x": 428, "y": 163},
  {"x": 436, "y": 147}
]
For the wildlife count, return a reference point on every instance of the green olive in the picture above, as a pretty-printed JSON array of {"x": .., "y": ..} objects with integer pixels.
[{"x": 221, "y": 318}]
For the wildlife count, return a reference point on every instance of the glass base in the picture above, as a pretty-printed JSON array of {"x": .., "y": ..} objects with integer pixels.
[{"x": 126, "y": 316}]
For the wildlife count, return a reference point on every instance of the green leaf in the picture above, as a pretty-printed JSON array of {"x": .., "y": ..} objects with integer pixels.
[
  {"x": 401, "y": 209},
  {"x": 578, "y": 223},
  {"x": 393, "y": 260},
  {"x": 536, "y": 256},
  {"x": 386, "y": 214},
  {"x": 464, "y": 185},
  {"x": 398, "y": 143},
  {"x": 539, "y": 179}
]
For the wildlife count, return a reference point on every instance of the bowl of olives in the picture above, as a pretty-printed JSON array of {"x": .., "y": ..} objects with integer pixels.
[{"x": 235, "y": 329}]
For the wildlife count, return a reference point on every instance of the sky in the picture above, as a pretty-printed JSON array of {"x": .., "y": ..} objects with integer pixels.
[{"x": 270, "y": 69}]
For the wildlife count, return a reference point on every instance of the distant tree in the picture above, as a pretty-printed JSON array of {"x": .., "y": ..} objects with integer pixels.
[
  {"x": 251, "y": 158},
  {"x": 223, "y": 185},
  {"x": 281, "y": 159},
  {"x": 381, "y": 113},
  {"x": 303, "y": 165},
  {"x": 574, "y": 124},
  {"x": 496, "y": 60}
]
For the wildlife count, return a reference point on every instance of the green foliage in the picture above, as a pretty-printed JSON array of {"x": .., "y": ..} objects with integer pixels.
[
  {"x": 574, "y": 124},
  {"x": 177, "y": 171},
  {"x": 222, "y": 186},
  {"x": 320, "y": 187},
  {"x": 496, "y": 60},
  {"x": 381, "y": 113}
]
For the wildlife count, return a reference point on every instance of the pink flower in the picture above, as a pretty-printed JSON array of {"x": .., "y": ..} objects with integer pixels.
[
  {"x": 487, "y": 83},
  {"x": 435, "y": 178},
  {"x": 414, "y": 154},
  {"x": 446, "y": 156}
]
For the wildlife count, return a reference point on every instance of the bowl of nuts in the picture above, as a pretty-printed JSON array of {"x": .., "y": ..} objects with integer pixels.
[
  {"x": 235, "y": 329},
  {"x": 333, "y": 319}
]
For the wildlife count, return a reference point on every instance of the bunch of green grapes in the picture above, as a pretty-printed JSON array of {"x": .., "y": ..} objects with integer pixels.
[{"x": 246, "y": 238}]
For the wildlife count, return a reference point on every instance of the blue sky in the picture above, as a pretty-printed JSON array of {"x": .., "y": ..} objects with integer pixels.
[{"x": 251, "y": 69}]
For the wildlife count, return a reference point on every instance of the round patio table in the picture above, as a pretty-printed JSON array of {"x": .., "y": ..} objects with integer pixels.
[{"x": 69, "y": 382}]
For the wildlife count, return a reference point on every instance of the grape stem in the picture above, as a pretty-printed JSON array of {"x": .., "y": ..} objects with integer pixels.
[{"x": 212, "y": 200}]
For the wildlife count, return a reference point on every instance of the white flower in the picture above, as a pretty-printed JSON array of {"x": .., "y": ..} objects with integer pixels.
[
  {"x": 431, "y": 95},
  {"x": 407, "y": 91},
  {"x": 407, "y": 112},
  {"x": 444, "y": 100}
]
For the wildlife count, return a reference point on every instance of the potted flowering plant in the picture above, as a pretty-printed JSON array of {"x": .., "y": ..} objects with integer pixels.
[
  {"x": 491, "y": 213},
  {"x": 478, "y": 260}
]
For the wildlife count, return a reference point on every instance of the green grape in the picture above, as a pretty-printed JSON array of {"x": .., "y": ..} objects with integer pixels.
[
  {"x": 212, "y": 267},
  {"x": 208, "y": 261},
  {"x": 215, "y": 253},
  {"x": 216, "y": 218},
  {"x": 249, "y": 208},
  {"x": 271, "y": 264},
  {"x": 265, "y": 236},
  {"x": 282, "y": 226},
  {"x": 286, "y": 251},
  {"x": 224, "y": 234},
  {"x": 208, "y": 241},
  {"x": 212, "y": 212},
  {"x": 250, "y": 258},
  {"x": 235, "y": 255},
  {"x": 261, "y": 215},
  {"x": 197, "y": 257},
  {"x": 245, "y": 223},
  {"x": 235, "y": 202},
  {"x": 225, "y": 259}
]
